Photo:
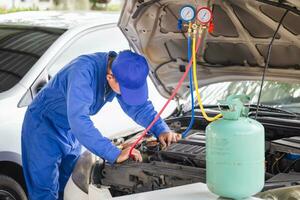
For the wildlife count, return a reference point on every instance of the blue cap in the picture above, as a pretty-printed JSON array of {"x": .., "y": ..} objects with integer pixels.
[{"x": 131, "y": 71}]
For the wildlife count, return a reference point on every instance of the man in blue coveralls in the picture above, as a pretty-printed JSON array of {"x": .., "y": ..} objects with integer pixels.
[{"x": 58, "y": 120}]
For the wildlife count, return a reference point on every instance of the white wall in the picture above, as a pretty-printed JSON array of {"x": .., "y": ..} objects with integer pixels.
[
  {"x": 45, "y": 5},
  {"x": 49, "y": 4},
  {"x": 6, "y": 4},
  {"x": 74, "y": 5},
  {"x": 42, "y": 5}
]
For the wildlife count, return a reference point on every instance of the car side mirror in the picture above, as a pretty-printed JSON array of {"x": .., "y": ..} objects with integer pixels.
[{"x": 34, "y": 89}]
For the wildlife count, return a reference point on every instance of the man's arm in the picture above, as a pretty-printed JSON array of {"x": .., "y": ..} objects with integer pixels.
[
  {"x": 144, "y": 115},
  {"x": 80, "y": 97}
]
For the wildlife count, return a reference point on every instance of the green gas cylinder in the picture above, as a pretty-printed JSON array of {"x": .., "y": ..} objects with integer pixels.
[{"x": 235, "y": 151}]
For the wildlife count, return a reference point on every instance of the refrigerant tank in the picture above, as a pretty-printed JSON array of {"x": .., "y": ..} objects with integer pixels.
[{"x": 235, "y": 151}]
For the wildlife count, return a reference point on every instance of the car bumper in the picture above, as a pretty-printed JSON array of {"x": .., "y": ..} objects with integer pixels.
[
  {"x": 72, "y": 191},
  {"x": 185, "y": 192}
]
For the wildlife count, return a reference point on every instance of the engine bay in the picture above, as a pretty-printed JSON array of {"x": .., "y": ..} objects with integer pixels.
[
  {"x": 184, "y": 163},
  {"x": 179, "y": 164}
]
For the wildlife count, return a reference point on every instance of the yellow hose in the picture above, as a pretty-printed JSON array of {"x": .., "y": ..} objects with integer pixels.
[{"x": 210, "y": 119}]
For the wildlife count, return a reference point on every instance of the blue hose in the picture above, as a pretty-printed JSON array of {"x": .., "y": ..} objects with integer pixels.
[{"x": 184, "y": 134}]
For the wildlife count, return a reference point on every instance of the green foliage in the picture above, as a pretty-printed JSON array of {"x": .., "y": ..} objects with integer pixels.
[
  {"x": 4, "y": 11},
  {"x": 56, "y": 2},
  {"x": 114, "y": 7}
]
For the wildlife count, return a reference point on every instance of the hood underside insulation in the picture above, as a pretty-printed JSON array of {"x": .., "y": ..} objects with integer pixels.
[{"x": 236, "y": 50}]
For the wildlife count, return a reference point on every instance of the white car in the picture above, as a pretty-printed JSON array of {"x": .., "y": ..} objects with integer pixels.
[
  {"x": 231, "y": 60},
  {"x": 33, "y": 48}
]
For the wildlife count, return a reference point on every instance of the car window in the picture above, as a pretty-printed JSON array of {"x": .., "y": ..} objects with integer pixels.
[
  {"x": 105, "y": 39},
  {"x": 275, "y": 93},
  {"x": 20, "y": 49}
]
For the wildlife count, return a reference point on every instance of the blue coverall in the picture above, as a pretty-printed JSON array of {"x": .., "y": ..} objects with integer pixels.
[{"x": 58, "y": 121}]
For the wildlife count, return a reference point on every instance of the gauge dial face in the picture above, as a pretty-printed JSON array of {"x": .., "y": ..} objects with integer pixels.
[
  {"x": 187, "y": 13},
  {"x": 204, "y": 15}
]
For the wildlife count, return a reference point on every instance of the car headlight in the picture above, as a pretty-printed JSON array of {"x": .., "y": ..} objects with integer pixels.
[{"x": 81, "y": 175}]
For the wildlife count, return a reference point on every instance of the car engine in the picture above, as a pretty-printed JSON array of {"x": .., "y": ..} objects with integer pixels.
[
  {"x": 184, "y": 163},
  {"x": 283, "y": 163},
  {"x": 179, "y": 164}
]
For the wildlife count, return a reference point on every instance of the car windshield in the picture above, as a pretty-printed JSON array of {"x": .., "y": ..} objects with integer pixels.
[
  {"x": 20, "y": 48},
  {"x": 276, "y": 94}
]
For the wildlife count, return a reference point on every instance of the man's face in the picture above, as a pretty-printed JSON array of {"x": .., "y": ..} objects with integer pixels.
[{"x": 113, "y": 82}]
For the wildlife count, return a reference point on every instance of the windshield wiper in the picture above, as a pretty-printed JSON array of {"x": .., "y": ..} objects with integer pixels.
[
  {"x": 269, "y": 109},
  {"x": 264, "y": 110}
]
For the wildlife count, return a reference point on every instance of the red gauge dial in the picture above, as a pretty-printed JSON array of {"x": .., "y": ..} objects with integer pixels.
[{"x": 204, "y": 15}]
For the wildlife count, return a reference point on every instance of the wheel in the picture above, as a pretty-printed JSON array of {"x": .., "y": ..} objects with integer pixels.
[{"x": 10, "y": 189}]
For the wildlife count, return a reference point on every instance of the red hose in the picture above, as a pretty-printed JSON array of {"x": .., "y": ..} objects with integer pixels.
[{"x": 168, "y": 101}]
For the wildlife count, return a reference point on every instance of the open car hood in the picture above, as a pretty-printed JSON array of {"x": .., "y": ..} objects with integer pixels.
[{"x": 236, "y": 50}]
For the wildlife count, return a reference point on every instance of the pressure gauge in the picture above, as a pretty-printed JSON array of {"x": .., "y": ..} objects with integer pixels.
[
  {"x": 187, "y": 13},
  {"x": 204, "y": 15}
]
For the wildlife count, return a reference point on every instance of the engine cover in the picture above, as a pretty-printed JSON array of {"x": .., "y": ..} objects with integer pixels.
[{"x": 189, "y": 151}]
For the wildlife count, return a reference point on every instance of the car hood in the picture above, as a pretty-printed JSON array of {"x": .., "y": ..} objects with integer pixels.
[{"x": 235, "y": 50}]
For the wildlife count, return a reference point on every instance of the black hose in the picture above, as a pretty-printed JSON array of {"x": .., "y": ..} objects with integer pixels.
[
  {"x": 268, "y": 60},
  {"x": 281, "y": 5},
  {"x": 143, "y": 7}
]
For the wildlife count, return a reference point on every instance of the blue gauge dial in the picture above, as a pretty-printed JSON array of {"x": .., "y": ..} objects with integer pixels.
[{"x": 187, "y": 13}]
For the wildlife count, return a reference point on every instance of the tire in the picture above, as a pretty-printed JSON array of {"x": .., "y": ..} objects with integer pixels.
[{"x": 10, "y": 189}]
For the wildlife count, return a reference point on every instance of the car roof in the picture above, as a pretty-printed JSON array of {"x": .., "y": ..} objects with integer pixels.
[{"x": 58, "y": 19}]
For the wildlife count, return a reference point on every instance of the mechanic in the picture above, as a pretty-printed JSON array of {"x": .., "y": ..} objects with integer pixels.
[{"x": 58, "y": 120}]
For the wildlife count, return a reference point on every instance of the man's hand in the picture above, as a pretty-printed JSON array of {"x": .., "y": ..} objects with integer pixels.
[
  {"x": 125, "y": 155},
  {"x": 168, "y": 138}
]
